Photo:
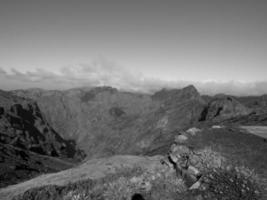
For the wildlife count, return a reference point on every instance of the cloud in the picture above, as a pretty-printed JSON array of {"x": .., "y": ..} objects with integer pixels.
[{"x": 104, "y": 72}]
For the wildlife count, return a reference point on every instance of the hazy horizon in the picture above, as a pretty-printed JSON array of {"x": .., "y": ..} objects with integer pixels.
[{"x": 218, "y": 46}]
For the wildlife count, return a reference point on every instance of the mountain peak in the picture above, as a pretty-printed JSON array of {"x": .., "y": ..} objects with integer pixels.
[
  {"x": 190, "y": 88},
  {"x": 187, "y": 92},
  {"x": 190, "y": 91}
]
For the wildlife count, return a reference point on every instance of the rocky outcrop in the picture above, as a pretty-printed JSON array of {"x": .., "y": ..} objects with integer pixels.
[
  {"x": 223, "y": 107},
  {"x": 29, "y": 145},
  {"x": 191, "y": 164},
  {"x": 22, "y": 125}
]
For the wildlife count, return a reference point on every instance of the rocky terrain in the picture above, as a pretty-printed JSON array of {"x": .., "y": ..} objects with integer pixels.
[
  {"x": 223, "y": 107},
  {"x": 215, "y": 170},
  {"x": 27, "y": 141},
  {"x": 104, "y": 121},
  {"x": 100, "y": 119},
  {"x": 39, "y": 130}
]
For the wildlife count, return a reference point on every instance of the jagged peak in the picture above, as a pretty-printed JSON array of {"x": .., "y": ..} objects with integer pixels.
[
  {"x": 187, "y": 92},
  {"x": 190, "y": 89}
]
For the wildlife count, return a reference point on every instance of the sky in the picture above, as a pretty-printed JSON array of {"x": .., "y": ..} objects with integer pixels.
[{"x": 220, "y": 46}]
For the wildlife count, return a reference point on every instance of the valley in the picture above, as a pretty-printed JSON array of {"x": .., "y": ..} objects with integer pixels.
[{"x": 93, "y": 133}]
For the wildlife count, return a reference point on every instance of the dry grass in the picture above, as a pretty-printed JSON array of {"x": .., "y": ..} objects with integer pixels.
[
  {"x": 92, "y": 169},
  {"x": 157, "y": 182},
  {"x": 123, "y": 185}
]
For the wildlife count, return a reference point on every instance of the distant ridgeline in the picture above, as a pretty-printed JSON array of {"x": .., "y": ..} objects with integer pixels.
[
  {"x": 104, "y": 121},
  {"x": 39, "y": 129}
]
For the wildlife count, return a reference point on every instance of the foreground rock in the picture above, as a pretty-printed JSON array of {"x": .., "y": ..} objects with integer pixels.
[{"x": 191, "y": 164}]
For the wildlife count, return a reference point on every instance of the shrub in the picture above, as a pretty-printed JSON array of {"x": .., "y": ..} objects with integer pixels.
[
  {"x": 120, "y": 189},
  {"x": 166, "y": 187},
  {"x": 207, "y": 158},
  {"x": 230, "y": 184}
]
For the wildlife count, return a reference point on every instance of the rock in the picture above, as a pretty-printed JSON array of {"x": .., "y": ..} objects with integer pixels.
[
  {"x": 179, "y": 154},
  {"x": 181, "y": 139},
  {"x": 193, "y": 131},
  {"x": 189, "y": 178},
  {"x": 173, "y": 158},
  {"x": 193, "y": 170},
  {"x": 216, "y": 127},
  {"x": 195, "y": 186},
  {"x": 179, "y": 149}
]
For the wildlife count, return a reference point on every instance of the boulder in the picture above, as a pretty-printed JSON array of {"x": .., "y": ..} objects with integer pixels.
[
  {"x": 179, "y": 154},
  {"x": 179, "y": 149},
  {"x": 193, "y": 131},
  {"x": 195, "y": 186}
]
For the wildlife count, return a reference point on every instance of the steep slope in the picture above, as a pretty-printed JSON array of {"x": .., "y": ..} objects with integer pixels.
[
  {"x": 222, "y": 108},
  {"x": 17, "y": 165},
  {"x": 105, "y": 121},
  {"x": 257, "y": 103},
  {"x": 120, "y": 177},
  {"x": 24, "y": 137}
]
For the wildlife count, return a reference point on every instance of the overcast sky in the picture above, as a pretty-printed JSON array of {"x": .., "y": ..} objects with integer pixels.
[{"x": 219, "y": 45}]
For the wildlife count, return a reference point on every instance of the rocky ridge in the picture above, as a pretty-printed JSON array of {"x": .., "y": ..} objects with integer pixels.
[
  {"x": 29, "y": 145},
  {"x": 105, "y": 122},
  {"x": 100, "y": 119}
]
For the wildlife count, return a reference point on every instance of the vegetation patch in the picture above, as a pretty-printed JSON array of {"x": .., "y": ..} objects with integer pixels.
[{"x": 237, "y": 183}]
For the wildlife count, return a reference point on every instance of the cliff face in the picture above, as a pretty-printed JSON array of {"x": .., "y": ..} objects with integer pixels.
[
  {"x": 22, "y": 125},
  {"x": 104, "y": 121},
  {"x": 28, "y": 142}
]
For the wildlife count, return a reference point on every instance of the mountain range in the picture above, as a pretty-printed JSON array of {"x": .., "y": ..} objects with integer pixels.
[{"x": 47, "y": 130}]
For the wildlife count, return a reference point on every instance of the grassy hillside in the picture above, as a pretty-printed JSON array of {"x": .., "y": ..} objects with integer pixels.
[
  {"x": 90, "y": 170},
  {"x": 238, "y": 146}
]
